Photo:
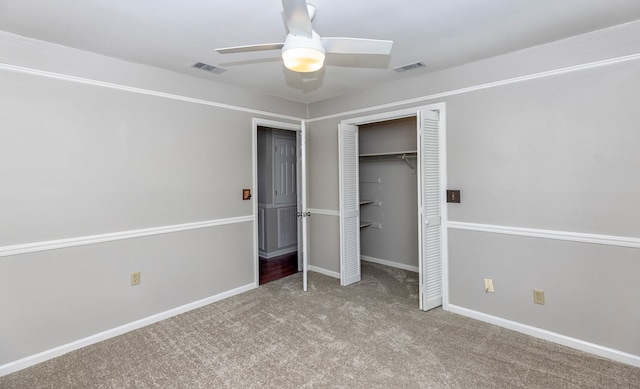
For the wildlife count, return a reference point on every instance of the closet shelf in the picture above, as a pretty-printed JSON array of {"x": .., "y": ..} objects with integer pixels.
[
  {"x": 364, "y": 224},
  {"x": 387, "y": 154},
  {"x": 365, "y": 202},
  {"x": 402, "y": 155}
]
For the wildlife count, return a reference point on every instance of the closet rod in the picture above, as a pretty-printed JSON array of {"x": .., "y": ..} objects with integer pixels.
[
  {"x": 403, "y": 155},
  {"x": 406, "y": 157}
]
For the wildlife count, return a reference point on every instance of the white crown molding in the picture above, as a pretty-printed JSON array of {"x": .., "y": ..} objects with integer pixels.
[
  {"x": 554, "y": 337},
  {"x": 31, "y": 360},
  {"x": 142, "y": 91},
  {"x": 508, "y": 81},
  {"x": 113, "y": 236},
  {"x": 608, "y": 240}
]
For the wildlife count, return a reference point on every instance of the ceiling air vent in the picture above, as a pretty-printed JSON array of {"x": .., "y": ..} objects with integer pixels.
[
  {"x": 410, "y": 66},
  {"x": 208, "y": 68}
]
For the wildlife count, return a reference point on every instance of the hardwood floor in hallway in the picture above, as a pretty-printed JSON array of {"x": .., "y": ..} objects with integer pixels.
[{"x": 275, "y": 268}]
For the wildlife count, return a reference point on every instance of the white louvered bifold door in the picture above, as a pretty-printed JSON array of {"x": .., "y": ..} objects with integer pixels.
[
  {"x": 349, "y": 205},
  {"x": 429, "y": 203}
]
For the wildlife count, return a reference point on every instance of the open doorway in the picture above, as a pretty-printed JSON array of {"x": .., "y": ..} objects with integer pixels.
[{"x": 277, "y": 156}]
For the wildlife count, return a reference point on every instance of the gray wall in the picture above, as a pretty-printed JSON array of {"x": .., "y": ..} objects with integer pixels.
[
  {"x": 559, "y": 154},
  {"x": 55, "y": 297},
  {"x": 591, "y": 291},
  {"x": 552, "y": 152},
  {"x": 82, "y": 160},
  {"x": 79, "y": 159}
]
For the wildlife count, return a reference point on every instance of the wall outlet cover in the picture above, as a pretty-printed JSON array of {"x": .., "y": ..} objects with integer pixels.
[
  {"x": 135, "y": 278},
  {"x": 538, "y": 296}
]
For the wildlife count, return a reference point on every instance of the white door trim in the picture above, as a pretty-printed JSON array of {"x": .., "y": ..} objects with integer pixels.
[
  {"x": 254, "y": 198},
  {"x": 414, "y": 112}
]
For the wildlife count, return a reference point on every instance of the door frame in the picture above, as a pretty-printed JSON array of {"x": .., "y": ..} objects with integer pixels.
[
  {"x": 415, "y": 112},
  {"x": 301, "y": 179}
]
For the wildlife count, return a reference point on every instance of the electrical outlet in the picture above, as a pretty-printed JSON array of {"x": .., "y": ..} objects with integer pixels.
[
  {"x": 135, "y": 278},
  {"x": 538, "y": 296},
  {"x": 488, "y": 285}
]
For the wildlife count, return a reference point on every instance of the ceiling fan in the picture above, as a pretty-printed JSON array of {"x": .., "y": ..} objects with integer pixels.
[{"x": 303, "y": 49}]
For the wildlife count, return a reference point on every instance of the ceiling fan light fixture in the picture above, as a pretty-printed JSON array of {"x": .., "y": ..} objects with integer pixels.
[
  {"x": 302, "y": 54},
  {"x": 303, "y": 59}
]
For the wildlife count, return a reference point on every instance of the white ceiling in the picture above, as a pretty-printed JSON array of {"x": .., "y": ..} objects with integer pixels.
[{"x": 174, "y": 34}]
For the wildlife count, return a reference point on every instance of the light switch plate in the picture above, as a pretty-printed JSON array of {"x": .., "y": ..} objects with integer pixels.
[
  {"x": 453, "y": 196},
  {"x": 488, "y": 285}
]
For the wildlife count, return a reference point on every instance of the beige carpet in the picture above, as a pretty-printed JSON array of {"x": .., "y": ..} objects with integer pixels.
[{"x": 368, "y": 335}]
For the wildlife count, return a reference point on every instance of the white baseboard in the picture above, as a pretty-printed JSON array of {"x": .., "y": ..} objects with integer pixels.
[
  {"x": 602, "y": 351},
  {"x": 390, "y": 263},
  {"x": 31, "y": 360},
  {"x": 273, "y": 254},
  {"x": 324, "y": 271}
]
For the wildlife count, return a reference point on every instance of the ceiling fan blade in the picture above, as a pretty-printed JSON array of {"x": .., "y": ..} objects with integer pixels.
[
  {"x": 250, "y": 48},
  {"x": 296, "y": 15},
  {"x": 357, "y": 46}
]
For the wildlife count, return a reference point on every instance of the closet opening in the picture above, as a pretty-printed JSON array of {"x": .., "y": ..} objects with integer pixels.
[
  {"x": 277, "y": 191},
  {"x": 392, "y": 203},
  {"x": 388, "y": 194}
]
